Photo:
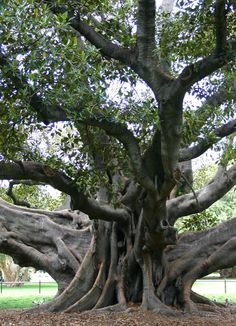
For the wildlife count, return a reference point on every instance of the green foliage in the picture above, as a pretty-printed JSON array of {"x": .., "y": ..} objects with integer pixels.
[
  {"x": 38, "y": 48},
  {"x": 47, "y": 58},
  {"x": 115, "y": 19},
  {"x": 198, "y": 222},
  {"x": 39, "y": 196},
  {"x": 36, "y": 196},
  {"x": 225, "y": 208},
  {"x": 229, "y": 153},
  {"x": 221, "y": 210},
  {"x": 182, "y": 34}
]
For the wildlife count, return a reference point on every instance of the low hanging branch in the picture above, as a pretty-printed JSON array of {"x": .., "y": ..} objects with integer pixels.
[
  {"x": 59, "y": 180},
  {"x": 32, "y": 238}
]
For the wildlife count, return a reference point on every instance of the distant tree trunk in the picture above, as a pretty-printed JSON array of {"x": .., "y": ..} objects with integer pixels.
[
  {"x": 228, "y": 272},
  {"x": 12, "y": 272}
]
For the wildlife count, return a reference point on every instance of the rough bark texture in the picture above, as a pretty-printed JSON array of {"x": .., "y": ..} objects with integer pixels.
[
  {"x": 106, "y": 265},
  {"x": 45, "y": 240},
  {"x": 196, "y": 255}
]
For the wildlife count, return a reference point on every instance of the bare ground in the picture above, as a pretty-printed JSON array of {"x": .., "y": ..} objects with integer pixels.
[{"x": 224, "y": 316}]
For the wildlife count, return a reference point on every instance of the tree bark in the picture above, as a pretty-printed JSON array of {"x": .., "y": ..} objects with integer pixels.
[{"x": 107, "y": 265}]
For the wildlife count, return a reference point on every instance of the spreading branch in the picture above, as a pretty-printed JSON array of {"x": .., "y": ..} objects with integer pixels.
[
  {"x": 53, "y": 114},
  {"x": 188, "y": 204},
  {"x": 206, "y": 66},
  {"x": 32, "y": 238},
  {"x": 106, "y": 47},
  {"x": 59, "y": 180},
  {"x": 205, "y": 143}
]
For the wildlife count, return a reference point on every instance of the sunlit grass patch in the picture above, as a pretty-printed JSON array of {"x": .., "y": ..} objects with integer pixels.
[{"x": 24, "y": 296}]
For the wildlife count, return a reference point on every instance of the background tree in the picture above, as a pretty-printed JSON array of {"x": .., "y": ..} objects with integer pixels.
[
  {"x": 12, "y": 272},
  {"x": 117, "y": 154}
]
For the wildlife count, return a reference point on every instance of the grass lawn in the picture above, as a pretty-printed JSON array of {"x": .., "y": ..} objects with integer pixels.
[
  {"x": 216, "y": 289},
  {"x": 22, "y": 297}
]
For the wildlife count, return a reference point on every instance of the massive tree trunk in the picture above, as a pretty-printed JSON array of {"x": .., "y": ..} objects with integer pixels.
[{"x": 109, "y": 264}]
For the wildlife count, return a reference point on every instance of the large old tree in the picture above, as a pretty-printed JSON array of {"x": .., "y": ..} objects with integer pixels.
[{"x": 93, "y": 102}]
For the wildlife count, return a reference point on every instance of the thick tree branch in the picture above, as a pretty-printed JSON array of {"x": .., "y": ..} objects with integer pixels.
[
  {"x": 58, "y": 180},
  {"x": 185, "y": 205},
  {"x": 146, "y": 29},
  {"x": 204, "y": 144},
  {"x": 202, "y": 253},
  {"x": 206, "y": 66},
  {"x": 53, "y": 114},
  {"x": 106, "y": 47}
]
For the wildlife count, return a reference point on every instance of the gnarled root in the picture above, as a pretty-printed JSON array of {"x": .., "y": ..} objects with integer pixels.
[
  {"x": 89, "y": 300},
  {"x": 149, "y": 300}
]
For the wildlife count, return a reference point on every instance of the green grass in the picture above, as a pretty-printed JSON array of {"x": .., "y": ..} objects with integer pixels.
[
  {"x": 223, "y": 297},
  {"x": 20, "y": 302},
  {"x": 216, "y": 290},
  {"x": 22, "y": 297}
]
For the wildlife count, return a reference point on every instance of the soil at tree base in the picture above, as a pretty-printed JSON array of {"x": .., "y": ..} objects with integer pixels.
[{"x": 136, "y": 316}]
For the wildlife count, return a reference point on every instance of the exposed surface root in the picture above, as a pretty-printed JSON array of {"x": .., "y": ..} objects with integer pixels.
[
  {"x": 89, "y": 300},
  {"x": 113, "y": 308},
  {"x": 197, "y": 298}
]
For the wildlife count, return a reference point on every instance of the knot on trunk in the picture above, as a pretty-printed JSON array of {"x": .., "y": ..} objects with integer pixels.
[{"x": 164, "y": 224}]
